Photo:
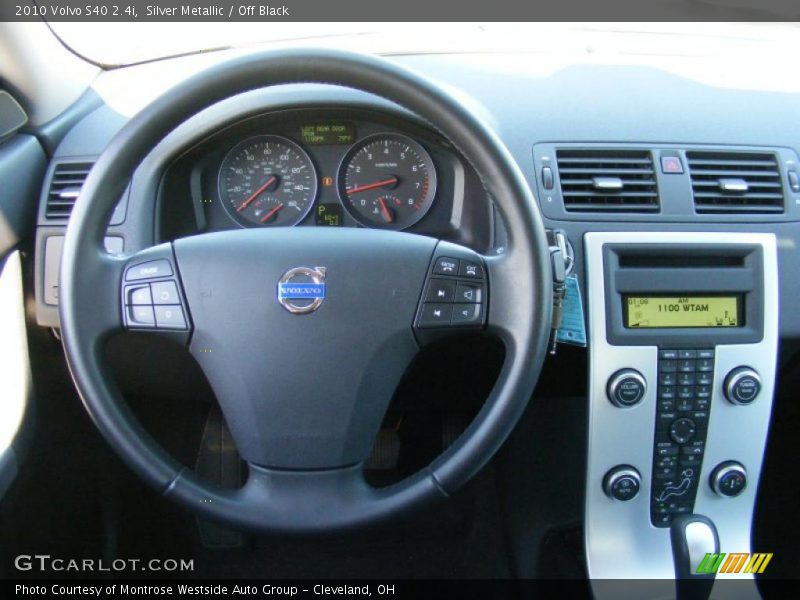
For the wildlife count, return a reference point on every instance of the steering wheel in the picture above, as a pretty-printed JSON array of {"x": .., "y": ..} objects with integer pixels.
[{"x": 303, "y": 333}]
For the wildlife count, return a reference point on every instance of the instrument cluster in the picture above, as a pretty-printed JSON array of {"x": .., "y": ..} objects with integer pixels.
[{"x": 329, "y": 173}]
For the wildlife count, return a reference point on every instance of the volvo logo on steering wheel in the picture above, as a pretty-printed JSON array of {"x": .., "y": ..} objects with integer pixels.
[{"x": 301, "y": 290}]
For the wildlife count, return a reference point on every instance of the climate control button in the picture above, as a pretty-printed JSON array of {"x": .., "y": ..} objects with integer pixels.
[
  {"x": 626, "y": 388},
  {"x": 728, "y": 479},
  {"x": 622, "y": 483}
]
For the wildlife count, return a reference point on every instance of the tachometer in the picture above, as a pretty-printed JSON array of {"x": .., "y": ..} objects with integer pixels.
[
  {"x": 267, "y": 180},
  {"x": 387, "y": 181}
]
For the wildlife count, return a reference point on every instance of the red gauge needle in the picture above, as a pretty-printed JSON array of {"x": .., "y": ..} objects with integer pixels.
[
  {"x": 255, "y": 194},
  {"x": 372, "y": 186},
  {"x": 387, "y": 214},
  {"x": 272, "y": 211}
]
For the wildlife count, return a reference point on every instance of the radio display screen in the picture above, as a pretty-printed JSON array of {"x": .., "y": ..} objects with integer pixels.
[{"x": 646, "y": 312}]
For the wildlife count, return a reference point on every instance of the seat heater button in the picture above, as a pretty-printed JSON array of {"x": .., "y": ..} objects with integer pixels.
[
  {"x": 138, "y": 294},
  {"x": 141, "y": 316},
  {"x": 149, "y": 270},
  {"x": 165, "y": 292},
  {"x": 170, "y": 317}
]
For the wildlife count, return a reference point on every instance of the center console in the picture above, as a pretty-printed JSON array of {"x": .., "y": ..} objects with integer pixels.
[{"x": 683, "y": 348}]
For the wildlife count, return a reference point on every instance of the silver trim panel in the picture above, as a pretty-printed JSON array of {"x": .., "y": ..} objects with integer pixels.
[{"x": 621, "y": 542}]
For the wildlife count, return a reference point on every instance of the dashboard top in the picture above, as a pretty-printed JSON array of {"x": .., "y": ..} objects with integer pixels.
[{"x": 656, "y": 106}]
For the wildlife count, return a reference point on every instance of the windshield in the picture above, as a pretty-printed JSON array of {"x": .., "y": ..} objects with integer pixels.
[{"x": 119, "y": 44}]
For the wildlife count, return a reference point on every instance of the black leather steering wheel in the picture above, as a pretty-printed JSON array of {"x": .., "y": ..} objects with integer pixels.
[{"x": 303, "y": 394}]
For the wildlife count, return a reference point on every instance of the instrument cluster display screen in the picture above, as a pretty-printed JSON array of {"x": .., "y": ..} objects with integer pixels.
[
  {"x": 327, "y": 133},
  {"x": 646, "y": 312}
]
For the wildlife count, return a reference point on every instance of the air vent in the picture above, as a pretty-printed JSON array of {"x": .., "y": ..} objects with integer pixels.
[
  {"x": 65, "y": 186},
  {"x": 735, "y": 182},
  {"x": 607, "y": 181}
]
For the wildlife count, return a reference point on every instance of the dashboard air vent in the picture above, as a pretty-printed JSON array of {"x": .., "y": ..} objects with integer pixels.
[
  {"x": 64, "y": 188},
  {"x": 735, "y": 182},
  {"x": 601, "y": 180}
]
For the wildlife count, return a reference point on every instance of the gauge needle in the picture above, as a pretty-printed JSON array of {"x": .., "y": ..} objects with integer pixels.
[
  {"x": 387, "y": 214},
  {"x": 372, "y": 186},
  {"x": 271, "y": 212},
  {"x": 255, "y": 194}
]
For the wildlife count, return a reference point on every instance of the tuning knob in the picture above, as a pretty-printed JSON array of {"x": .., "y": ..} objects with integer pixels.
[
  {"x": 622, "y": 483},
  {"x": 728, "y": 479},
  {"x": 626, "y": 388},
  {"x": 742, "y": 385}
]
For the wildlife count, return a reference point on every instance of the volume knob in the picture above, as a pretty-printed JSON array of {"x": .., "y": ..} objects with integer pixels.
[{"x": 626, "y": 388}]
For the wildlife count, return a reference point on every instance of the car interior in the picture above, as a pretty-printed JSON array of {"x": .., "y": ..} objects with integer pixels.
[{"x": 450, "y": 309}]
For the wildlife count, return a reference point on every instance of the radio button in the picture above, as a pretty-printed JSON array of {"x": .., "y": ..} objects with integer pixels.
[
  {"x": 666, "y": 392},
  {"x": 704, "y": 378},
  {"x": 667, "y": 366},
  {"x": 668, "y": 354},
  {"x": 682, "y": 430},
  {"x": 702, "y": 391},
  {"x": 742, "y": 386},
  {"x": 701, "y": 404},
  {"x": 705, "y": 365},
  {"x": 687, "y": 354},
  {"x": 666, "y": 405},
  {"x": 667, "y": 379}
]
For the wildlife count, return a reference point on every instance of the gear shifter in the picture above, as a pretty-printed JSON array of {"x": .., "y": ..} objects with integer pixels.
[{"x": 693, "y": 536}]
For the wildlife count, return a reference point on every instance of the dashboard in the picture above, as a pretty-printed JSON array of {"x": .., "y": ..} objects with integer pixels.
[{"x": 664, "y": 194}]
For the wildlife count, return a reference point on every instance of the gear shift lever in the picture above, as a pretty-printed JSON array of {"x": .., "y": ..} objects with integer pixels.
[{"x": 693, "y": 536}]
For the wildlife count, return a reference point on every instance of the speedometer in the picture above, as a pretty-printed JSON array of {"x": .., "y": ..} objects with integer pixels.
[
  {"x": 267, "y": 181},
  {"x": 387, "y": 181}
]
